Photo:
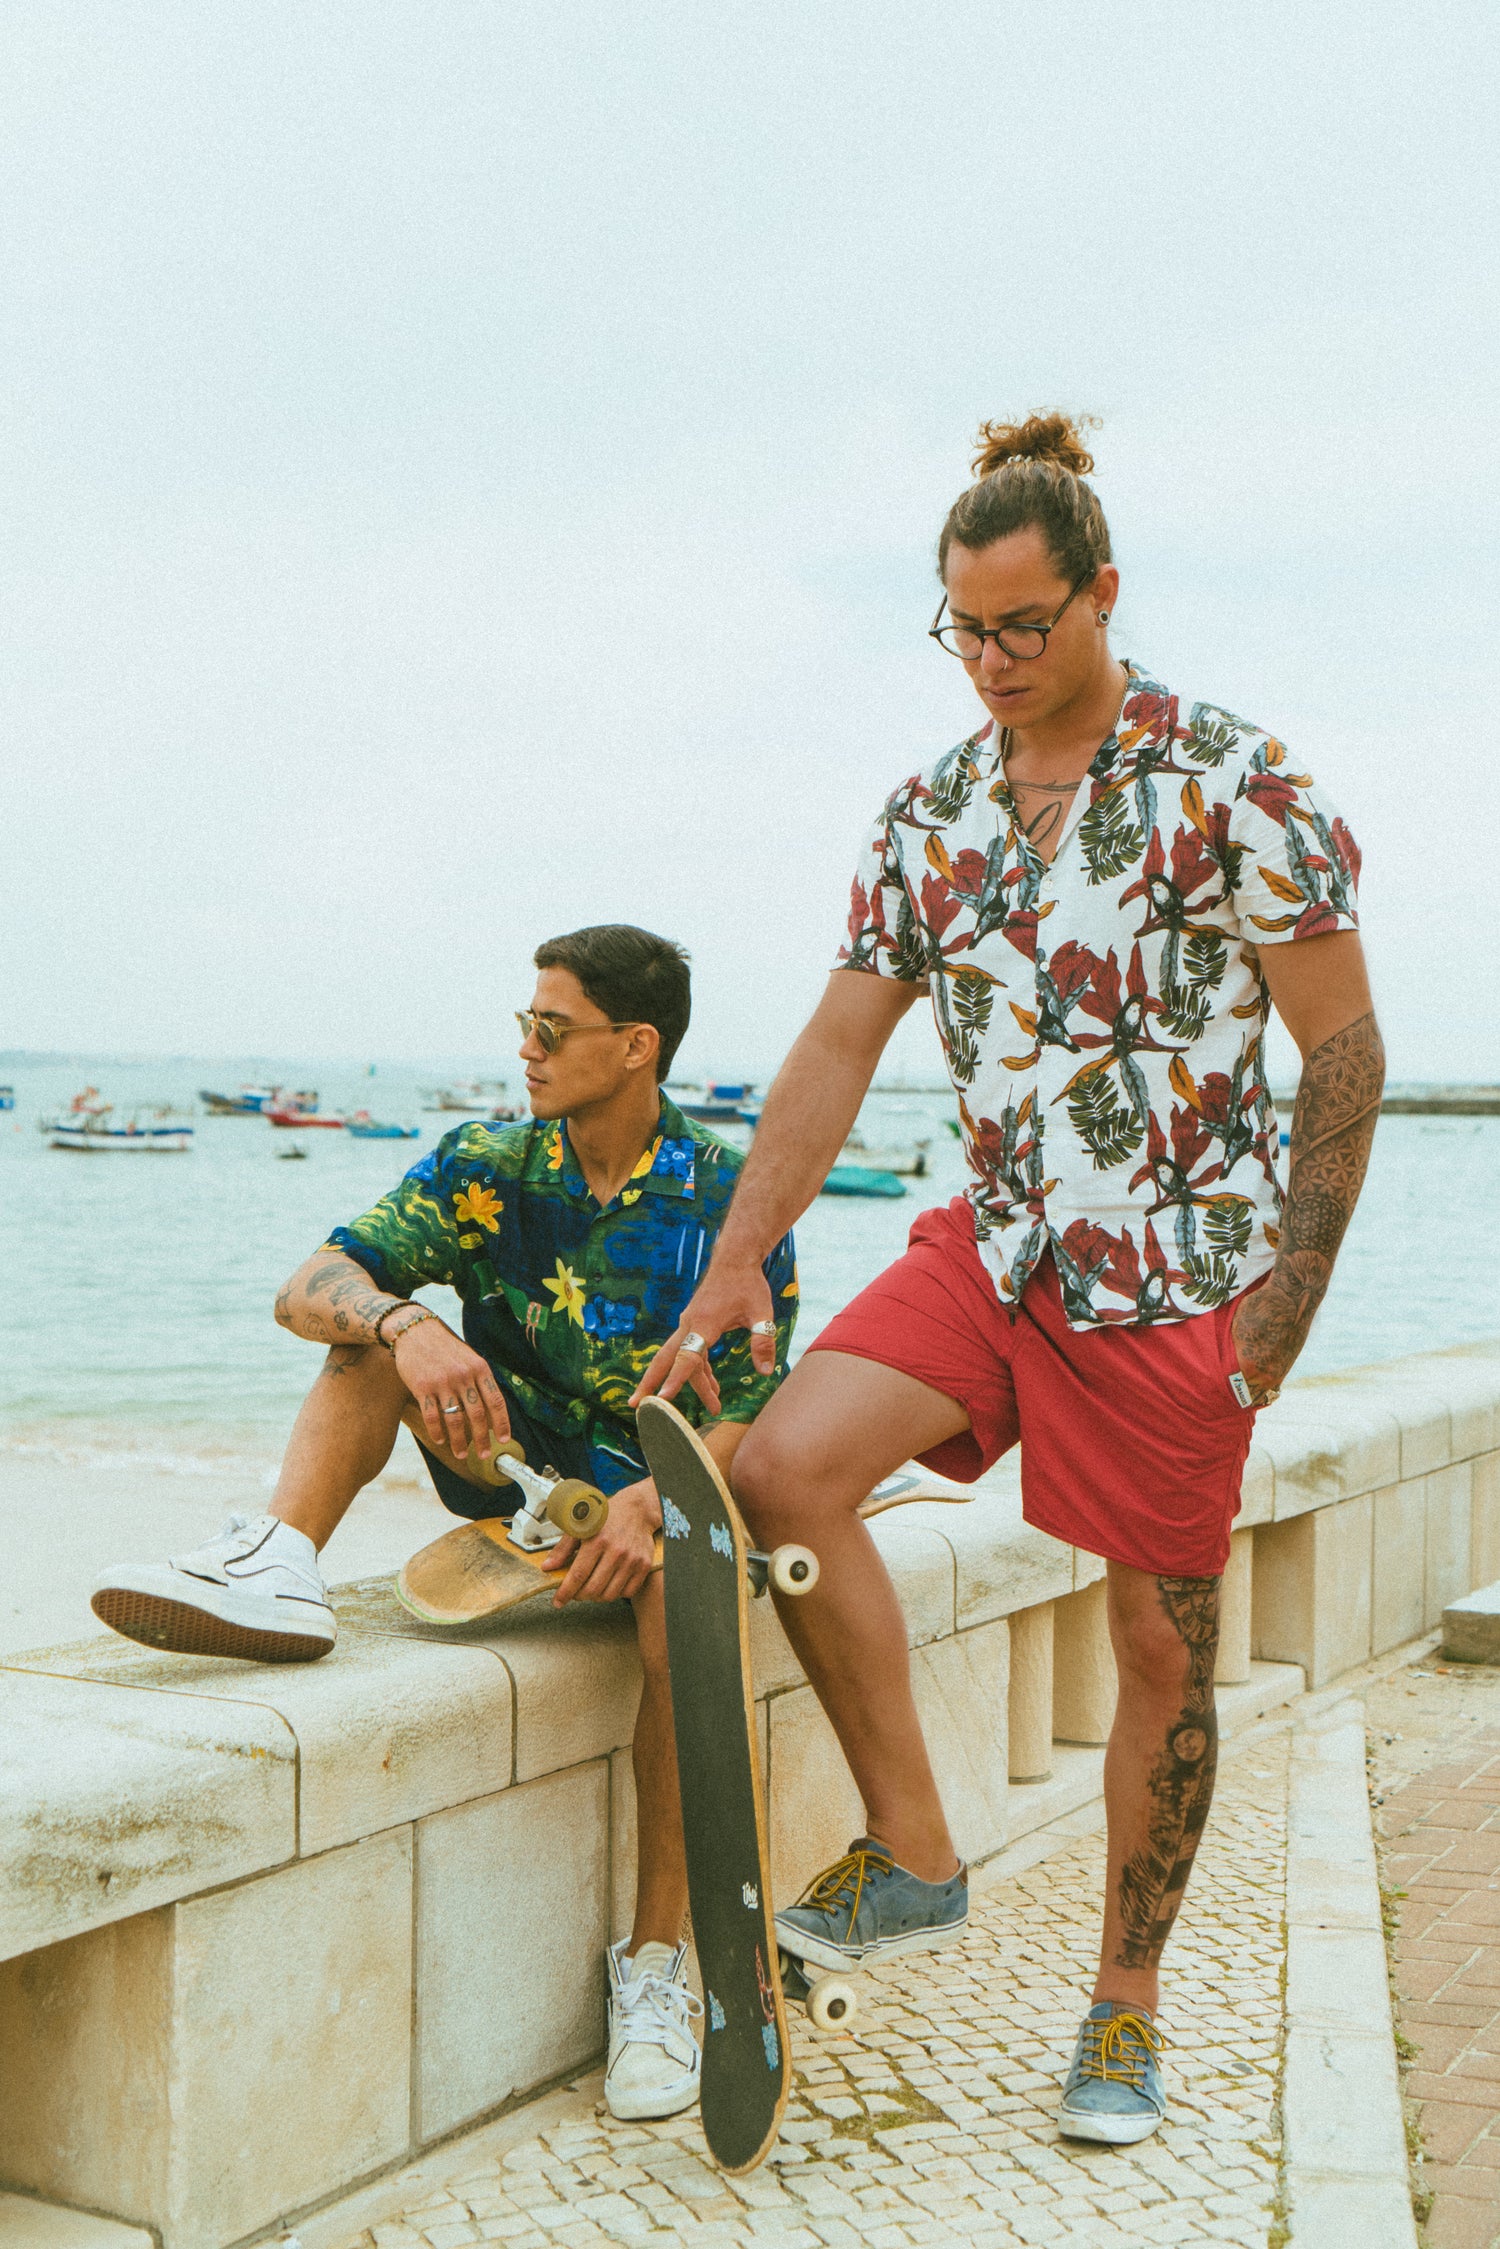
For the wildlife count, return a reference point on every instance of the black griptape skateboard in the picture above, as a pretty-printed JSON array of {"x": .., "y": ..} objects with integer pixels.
[{"x": 705, "y": 1577}]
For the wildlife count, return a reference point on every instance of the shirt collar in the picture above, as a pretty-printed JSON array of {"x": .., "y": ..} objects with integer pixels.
[{"x": 671, "y": 1169}]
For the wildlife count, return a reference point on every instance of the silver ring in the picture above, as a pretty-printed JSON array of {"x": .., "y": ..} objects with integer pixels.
[
  {"x": 453, "y": 1409},
  {"x": 691, "y": 1345},
  {"x": 762, "y": 1327}
]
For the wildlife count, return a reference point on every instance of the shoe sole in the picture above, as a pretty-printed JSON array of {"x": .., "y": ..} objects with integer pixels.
[
  {"x": 819, "y": 1955},
  {"x": 157, "y": 1622},
  {"x": 1114, "y": 2131},
  {"x": 643, "y": 2107}
]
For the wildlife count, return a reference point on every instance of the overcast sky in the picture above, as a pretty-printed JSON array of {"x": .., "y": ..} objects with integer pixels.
[{"x": 473, "y": 469}]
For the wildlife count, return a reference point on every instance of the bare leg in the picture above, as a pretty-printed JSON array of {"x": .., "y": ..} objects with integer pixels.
[
  {"x": 343, "y": 1437},
  {"x": 661, "y": 1897},
  {"x": 1158, "y": 1769},
  {"x": 834, "y": 1429}
]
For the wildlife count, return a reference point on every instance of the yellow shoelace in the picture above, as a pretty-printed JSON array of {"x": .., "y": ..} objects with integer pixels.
[
  {"x": 845, "y": 1880},
  {"x": 1124, "y": 2047}
]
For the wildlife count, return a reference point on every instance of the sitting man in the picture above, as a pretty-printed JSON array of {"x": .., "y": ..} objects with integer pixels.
[{"x": 574, "y": 1241}]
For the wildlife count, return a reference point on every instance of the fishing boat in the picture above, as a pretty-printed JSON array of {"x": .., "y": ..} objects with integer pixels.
[
  {"x": 725, "y": 1101},
  {"x": 858, "y": 1179},
  {"x": 365, "y": 1127},
  {"x": 256, "y": 1100},
  {"x": 7, "y": 1096},
  {"x": 304, "y": 1120},
  {"x": 468, "y": 1097},
  {"x": 907, "y": 1162},
  {"x": 96, "y": 1130}
]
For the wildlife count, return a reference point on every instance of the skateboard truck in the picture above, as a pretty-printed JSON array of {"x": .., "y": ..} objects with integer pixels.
[
  {"x": 552, "y": 1507},
  {"x": 790, "y": 1569}
]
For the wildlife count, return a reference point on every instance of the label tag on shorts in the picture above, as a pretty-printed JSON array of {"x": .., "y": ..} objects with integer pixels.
[{"x": 1241, "y": 1388}]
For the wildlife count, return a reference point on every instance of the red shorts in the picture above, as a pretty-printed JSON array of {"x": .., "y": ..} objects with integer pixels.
[{"x": 1132, "y": 1442}]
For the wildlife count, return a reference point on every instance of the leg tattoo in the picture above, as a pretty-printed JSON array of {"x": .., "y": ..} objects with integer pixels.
[{"x": 1181, "y": 1785}]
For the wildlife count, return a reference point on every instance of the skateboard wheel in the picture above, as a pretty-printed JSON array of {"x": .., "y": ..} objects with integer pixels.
[
  {"x": 509, "y": 1448},
  {"x": 794, "y": 1569},
  {"x": 832, "y": 2003},
  {"x": 576, "y": 1508}
]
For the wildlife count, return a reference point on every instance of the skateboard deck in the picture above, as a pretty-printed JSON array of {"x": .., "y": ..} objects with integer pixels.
[
  {"x": 475, "y": 1572},
  {"x": 746, "y": 2063}
]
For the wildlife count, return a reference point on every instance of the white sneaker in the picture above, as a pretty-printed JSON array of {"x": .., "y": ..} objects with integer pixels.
[
  {"x": 254, "y": 1592},
  {"x": 653, "y": 2056}
]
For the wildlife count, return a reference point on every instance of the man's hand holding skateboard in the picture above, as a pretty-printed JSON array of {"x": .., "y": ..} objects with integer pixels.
[
  {"x": 456, "y": 1394},
  {"x": 617, "y": 1560}
]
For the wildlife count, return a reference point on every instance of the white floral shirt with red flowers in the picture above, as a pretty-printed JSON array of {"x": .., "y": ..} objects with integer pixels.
[{"x": 1103, "y": 1017}]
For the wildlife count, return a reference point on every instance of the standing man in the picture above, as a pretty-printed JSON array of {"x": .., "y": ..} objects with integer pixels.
[
  {"x": 1104, "y": 890},
  {"x": 574, "y": 1242}
]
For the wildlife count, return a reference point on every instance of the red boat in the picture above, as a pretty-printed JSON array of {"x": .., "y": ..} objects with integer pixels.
[{"x": 304, "y": 1120}]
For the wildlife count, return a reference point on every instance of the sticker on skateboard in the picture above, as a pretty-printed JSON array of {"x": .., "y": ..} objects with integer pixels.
[{"x": 483, "y": 1568}]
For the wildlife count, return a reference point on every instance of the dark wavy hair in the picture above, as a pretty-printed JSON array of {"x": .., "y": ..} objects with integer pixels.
[
  {"x": 634, "y": 976},
  {"x": 1027, "y": 473}
]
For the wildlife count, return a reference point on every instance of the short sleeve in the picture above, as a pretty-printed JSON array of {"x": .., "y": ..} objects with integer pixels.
[
  {"x": 743, "y": 1392},
  {"x": 883, "y": 937},
  {"x": 409, "y": 1240},
  {"x": 1294, "y": 865}
]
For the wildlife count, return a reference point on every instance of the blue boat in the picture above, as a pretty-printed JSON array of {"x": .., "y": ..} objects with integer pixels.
[
  {"x": 367, "y": 1128},
  {"x": 7, "y": 1096},
  {"x": 855, "y": 1179},
  {"x": 724, "y": 1101}
]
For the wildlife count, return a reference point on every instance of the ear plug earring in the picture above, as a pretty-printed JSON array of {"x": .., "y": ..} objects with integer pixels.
[{"x": 1104, "y": 616}]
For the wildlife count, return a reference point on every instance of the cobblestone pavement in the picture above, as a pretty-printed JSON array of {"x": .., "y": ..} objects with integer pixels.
[
  {"x": 1435, "y": 1766},
  {"x": 932, "y": 2122}
]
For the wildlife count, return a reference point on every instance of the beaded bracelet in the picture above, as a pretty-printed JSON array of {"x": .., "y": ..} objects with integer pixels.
[{"x": 403, "y": 1304}]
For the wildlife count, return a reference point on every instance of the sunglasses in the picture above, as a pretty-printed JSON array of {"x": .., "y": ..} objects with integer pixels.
[{"x": 549, "y": 1034}]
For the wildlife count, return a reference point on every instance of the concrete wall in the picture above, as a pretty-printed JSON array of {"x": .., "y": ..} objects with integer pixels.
[{"x": 266, "y": 1932}]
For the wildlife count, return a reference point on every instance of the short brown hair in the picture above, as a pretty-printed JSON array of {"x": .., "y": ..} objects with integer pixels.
[
  {"x": 1027, "y": 473},
  {"x": 632, "y": 975}
]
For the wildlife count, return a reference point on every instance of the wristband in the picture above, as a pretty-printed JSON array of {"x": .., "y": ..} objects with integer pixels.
[{"x": 403, "y": 1304}]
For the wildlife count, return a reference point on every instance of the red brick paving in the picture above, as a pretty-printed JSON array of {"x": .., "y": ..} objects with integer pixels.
[{"x": 1438, "y": 1817}]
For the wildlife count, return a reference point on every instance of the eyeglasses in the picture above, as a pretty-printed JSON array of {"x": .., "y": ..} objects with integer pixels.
[
  {"x": 1023, "y": 642},
  {"x": 549, "y": 1034}
]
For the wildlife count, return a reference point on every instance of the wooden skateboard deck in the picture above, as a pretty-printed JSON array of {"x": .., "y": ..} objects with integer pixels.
[
  {"x": 746, "y": 2062},
  {"x": 475, "y": 1572}
]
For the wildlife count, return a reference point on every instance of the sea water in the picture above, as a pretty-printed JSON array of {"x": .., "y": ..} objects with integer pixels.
[{"x": 135, "y": 1303}]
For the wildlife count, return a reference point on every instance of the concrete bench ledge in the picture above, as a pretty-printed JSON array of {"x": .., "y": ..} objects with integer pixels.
[
  {"x": 391, "y": 1873},
  {"x": 1471, "y": 1627}
]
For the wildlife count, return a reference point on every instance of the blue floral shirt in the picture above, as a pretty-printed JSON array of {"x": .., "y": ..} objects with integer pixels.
[{"x": 569, "y": 1299}]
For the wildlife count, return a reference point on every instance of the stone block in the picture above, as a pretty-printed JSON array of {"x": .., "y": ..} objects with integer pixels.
[
  {"x": 961, "y": 1687},
  {"x": 114, "y": 1800},
  {"x": 577, "y": 1680},
  {"x": 1471, "y": 1627},
  {"x": 386, "y": 1728},
  {"x": 1030, "y": 1727},
  {"x": 1449, "y": 1493},
  {"x": 622, "y": 1844},
  {"x": 1084, "y": 1682},
  {"x": 43, "y": 2225},
  {"x": 1257, "y": 1488},
  {"x": 1325, "y": 1448},
  {"x": 1232, "y": 1667},
  {"x": 513, "y": 1909},
  {"x": 914, "y": 1548},
  {"x": 1398, "y": 1606},
  {"x": 1088, "y": 1569},
  {"x": 1484, "y": 1551},
  {"x": 1311, "y": 1600},
  {"x": 814, "y": 1806},
  {"x": 1002, "y": 1563},
  {"x": 202, "y": 2068}
]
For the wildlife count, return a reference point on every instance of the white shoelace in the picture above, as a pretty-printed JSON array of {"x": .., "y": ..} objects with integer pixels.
[{"x": 653, "y": 1997}]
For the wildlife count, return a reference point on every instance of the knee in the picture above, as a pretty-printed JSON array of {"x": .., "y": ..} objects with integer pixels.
[
  {"x": 1164, "y": 1646},
  {"x": 762, "y": 1475}
]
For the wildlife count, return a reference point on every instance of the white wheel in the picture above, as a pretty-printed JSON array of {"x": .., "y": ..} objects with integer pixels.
[
  {"x": 794, "y": 1569},
  {"x": 833, "y": 2003}
]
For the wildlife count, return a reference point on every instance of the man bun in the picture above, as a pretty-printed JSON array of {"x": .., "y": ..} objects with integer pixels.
[
  {"x": 1031, "y": 474},
  {"x": 1053, "y": 438}
]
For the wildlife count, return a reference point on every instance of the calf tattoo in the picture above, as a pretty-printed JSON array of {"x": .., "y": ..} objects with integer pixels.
[{"x": 1181, "y": 1785}]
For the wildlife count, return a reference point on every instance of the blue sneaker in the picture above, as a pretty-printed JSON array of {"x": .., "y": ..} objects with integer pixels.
[
  {"x": 1114, "y": 2090},
  {"x": 865, "y": 1907}
]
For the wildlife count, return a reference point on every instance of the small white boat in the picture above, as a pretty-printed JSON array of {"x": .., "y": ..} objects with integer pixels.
[
  {"x": 906, "y": 1162},
  {"x": 471, "y": 1097},
  {"x": 92, "y": 1128}
]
